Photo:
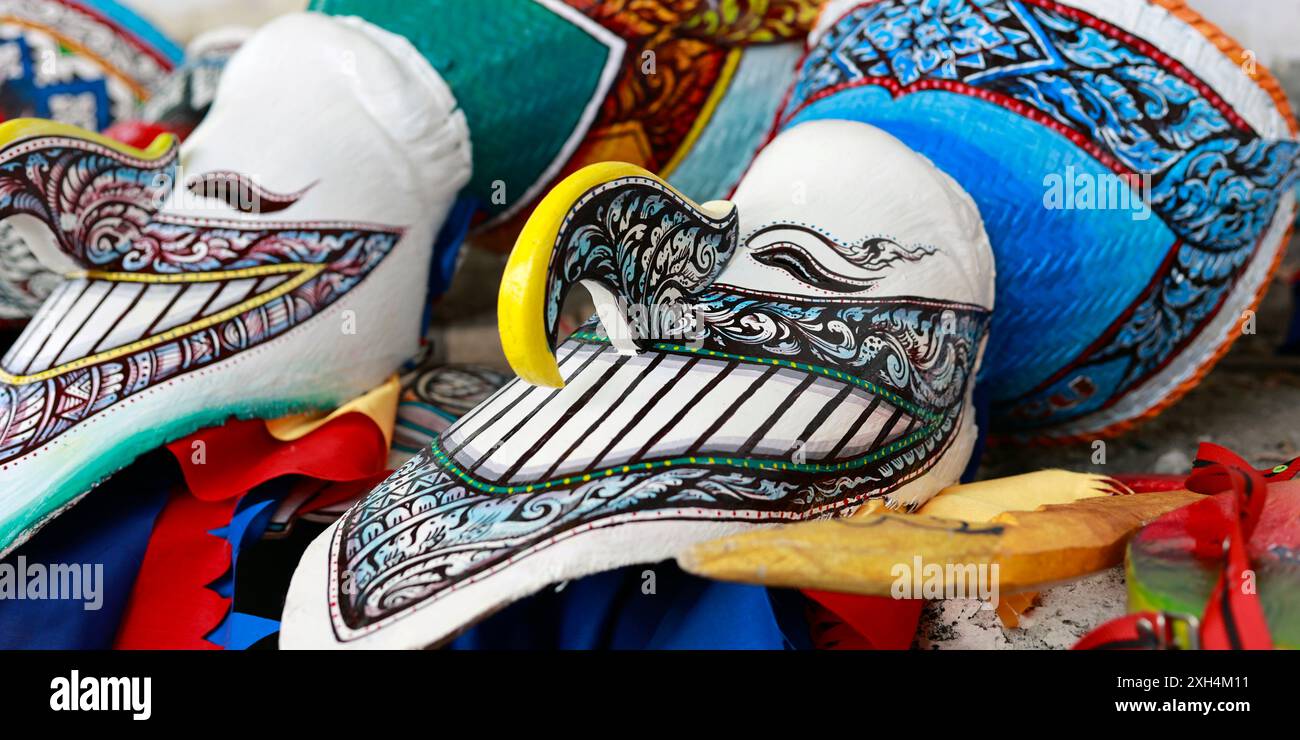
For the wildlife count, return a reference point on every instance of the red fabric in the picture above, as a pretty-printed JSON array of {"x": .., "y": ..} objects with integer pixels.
[
  {"x": 171, "y": 606},
  {"x": 241, "y": 455},
  {"x": 1119, "y": 634},
  {"x": 138, "y": 133},
  {"x": 1220, "y": 528},
  {"x": 873, "y": 622},
  {"x": 1207, "y": 455},
  {"x": 1233, "y": 618}
]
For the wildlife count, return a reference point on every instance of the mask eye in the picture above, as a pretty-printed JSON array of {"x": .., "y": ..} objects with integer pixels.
[
  {"x": 241, "y": 193},
  {"x": 805, "y": 268}
]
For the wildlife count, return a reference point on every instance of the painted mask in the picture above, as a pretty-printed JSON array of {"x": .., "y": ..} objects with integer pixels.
[
  {"x": 1131, "y": 164},
  {"x": 185, "y": 97},
  {"x": 685, "y": 89},
  {"x": 783, "y": 357},
  {"x": 258, "y": 270}
]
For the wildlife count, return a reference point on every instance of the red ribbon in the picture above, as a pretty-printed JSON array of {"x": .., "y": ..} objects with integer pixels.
[{"x": 1233, "y": 618}]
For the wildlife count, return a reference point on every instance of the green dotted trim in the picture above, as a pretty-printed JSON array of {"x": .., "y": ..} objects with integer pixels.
[
  {"x": 874, "y": 389},
  {"x": 442, "y": 458}
]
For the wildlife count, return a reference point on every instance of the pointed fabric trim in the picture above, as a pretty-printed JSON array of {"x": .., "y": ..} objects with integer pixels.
[
  {"x": 171, "y": 605},
  {"x": 242, "y": 630},
  {"x": 174, "y": 604},
  {"x": 247, "y": 525}
]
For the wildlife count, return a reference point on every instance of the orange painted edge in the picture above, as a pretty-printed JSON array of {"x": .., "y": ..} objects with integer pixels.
[
  {"x": 1235, "y": 52},
  {"x": 1265, "y": 79}
]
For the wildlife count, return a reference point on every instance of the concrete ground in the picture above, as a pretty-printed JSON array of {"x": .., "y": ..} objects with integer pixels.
[{"x": 1060, "y": 617}]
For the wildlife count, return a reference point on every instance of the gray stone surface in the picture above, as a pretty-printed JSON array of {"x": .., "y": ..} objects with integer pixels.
[{"x": 1059, "y": 618}]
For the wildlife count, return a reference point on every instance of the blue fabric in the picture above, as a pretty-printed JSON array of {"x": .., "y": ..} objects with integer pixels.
[
  {"x": 447, "y": 251},
  {"x": 251, "y": 518},
  {"x": 109, "y": 527},
  {"x": 612, "y": 610},
  {"x": 241, "y": 631}
]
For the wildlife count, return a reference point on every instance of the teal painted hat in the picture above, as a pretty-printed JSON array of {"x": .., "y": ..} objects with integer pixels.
[{"x": 529, "y": 76}]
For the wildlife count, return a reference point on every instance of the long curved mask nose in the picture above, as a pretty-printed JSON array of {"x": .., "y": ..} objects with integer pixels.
[
  {"x": 186, "y": 303},
  {"x": 781, "y": 358}
]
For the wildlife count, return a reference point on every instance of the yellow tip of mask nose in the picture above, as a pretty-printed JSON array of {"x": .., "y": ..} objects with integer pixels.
[{"x": 521, "y": 304}]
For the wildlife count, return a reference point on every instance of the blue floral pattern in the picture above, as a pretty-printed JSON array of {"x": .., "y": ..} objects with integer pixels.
[{"x": 1215, "y": 182}]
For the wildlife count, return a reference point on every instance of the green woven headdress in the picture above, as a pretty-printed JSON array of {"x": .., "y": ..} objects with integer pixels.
[{"x": 529, "y": 74}]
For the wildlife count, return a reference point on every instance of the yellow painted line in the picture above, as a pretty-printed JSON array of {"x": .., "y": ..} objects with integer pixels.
[
  {"x": 305, "y": 273},
  {"x": 22, "y": 130},
  {"x": 192, "y": 277}
]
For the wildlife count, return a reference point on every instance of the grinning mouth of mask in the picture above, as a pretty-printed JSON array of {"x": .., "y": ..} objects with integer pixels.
[{"x": 640, "y": 438}]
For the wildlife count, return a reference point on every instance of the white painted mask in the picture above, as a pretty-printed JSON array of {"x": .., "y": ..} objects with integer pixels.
[
  {"x": 838, "y": 310},
  {"x": 275, "y": 270}
]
